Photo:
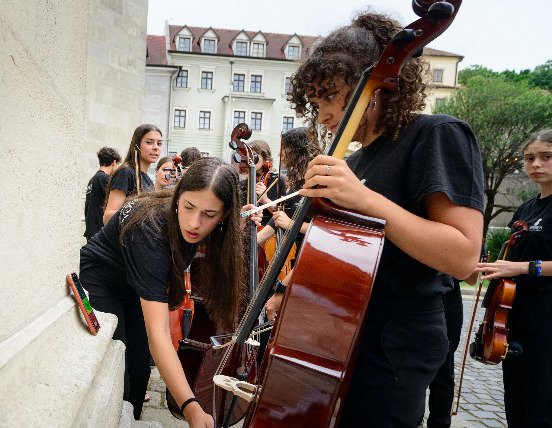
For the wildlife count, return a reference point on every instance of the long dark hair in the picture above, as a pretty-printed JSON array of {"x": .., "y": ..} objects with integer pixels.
[
  {"x": 222, "y": 269},
  {"x": 344, "y": 55},
  {"x": 132, "y": 158}
]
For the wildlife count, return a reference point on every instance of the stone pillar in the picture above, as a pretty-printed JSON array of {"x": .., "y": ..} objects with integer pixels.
[{"x": 72, "y": 81}]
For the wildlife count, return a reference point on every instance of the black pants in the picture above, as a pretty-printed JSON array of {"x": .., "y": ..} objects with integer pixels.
[
  {"x": 401, "y": 351},
  {"x": 441, "y": 389},
  {"x": 528, "y": 378},
  {"x": 131, "y": 330}
]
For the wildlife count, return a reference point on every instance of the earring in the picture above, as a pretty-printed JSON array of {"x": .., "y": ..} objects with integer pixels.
[{"x": 220, "y": 224}]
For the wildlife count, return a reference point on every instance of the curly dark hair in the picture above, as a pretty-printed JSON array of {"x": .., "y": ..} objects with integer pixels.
[
  {"x": 344, "y": 55},
  {"x": 106, "y": 156},
  {"x": 299, "y": 149}
]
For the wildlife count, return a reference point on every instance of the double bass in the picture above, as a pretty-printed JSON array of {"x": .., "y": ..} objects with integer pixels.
[
  {"x": 307, "y": 367},
  {"x": 491, "y": 344}
]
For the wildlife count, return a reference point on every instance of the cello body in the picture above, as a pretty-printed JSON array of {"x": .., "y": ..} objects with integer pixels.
[
  {"x": 200, "y": 361},
  {"x": 312, "y": 350}
]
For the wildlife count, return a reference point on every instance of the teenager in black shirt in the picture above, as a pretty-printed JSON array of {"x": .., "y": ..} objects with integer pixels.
[
  {"x": 134, "y": 268},
  {"x": 528, "y": 377},
  {"x": 423, "y": 176},
  {"x": 132, "y": 176},
  {"x": 95, "y": 191}
]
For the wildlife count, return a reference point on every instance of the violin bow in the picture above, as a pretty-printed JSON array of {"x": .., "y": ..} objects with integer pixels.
[{"x": 468, "y": 333}]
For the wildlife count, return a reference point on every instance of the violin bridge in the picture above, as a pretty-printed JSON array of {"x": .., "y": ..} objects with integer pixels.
[{"x": 242, "y": 389}]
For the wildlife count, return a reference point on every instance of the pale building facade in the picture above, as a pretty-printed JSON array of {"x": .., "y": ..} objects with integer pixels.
[
  {"x": 443, "y": 76},
  {"x": 226, "y": 77}
]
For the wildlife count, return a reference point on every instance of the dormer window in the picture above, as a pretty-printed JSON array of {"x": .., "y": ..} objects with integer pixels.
[
  {"x": 258, "y": 50},
  {"x": 294, "y": 53},
  {"x": 185, "y": 44},
  {"x": 241, "y": 48},
  {"x": 209, "y": 46}
]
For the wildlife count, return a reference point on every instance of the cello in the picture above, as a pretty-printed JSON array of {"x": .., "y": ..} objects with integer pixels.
[
  {"x": 199, "y": 359},
  {"x": 490, "y": 344},
  {"x": 307, "y": 368}
]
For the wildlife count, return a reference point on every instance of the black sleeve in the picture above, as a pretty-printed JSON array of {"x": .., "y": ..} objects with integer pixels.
[
  {"x": 125, "y": 180},
  {"x": 447, "y": 159},
  {"x": 147, "y": 257}
]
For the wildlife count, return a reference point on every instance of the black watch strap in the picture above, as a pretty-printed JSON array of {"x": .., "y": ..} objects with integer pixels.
[{"x": 279, "y": 287}]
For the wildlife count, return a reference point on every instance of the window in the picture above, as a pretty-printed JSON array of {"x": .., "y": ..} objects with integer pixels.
[
  {"x": 184, "y": 44},
  {"x": 206, "y": 80},
  {"x": 256, "y": 121},
  {"x": 256, "y": 83},
  {"x": 287, "y": 86},
  {"x": 258, "y": 50},
  {"x": 209, "y": 46},
  {"x": 241, "y": 48},
  {"x": 437, "y": 75},
  {"x": 239, "y": 81},
  {"x": 180, "y": 118},
  {"x": 439, "y": 101},
  {"x": 239, "y": 117},
  {"x": 182, "y": 79},
  {"x": 293, "y": 52},
  {"x": 204, "y": 120},
  {"x": 288, "y": 124}
]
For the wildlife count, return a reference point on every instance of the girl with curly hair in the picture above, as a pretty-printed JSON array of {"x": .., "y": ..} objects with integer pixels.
[{"x": 422, "y": 175}]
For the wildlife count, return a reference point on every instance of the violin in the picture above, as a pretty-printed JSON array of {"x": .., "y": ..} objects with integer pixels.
[
  {"x": 491, "y": 345},
  {"x": 307, "y": 367}
]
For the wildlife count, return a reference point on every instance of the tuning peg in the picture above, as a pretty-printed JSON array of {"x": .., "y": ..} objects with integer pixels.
[
  {"x": 404, "y": 37},
  {"x": 440, "y": 10}
]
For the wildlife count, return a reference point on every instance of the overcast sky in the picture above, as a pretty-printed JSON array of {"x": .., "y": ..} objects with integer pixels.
[{"x": 498, "y": 34}]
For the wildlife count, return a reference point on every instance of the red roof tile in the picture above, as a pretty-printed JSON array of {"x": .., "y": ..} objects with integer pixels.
[
  {"x": 274, "y": 46},
  {"x": 156, "y": 51}
]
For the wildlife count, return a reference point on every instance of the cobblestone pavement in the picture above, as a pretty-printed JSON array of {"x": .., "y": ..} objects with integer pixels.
[
  {"x": 481, "y": 402},
  {"x": 482, "y": 394}
]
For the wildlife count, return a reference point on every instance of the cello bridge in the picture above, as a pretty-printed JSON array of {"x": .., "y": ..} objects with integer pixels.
[{"x": 242, "y": 389}]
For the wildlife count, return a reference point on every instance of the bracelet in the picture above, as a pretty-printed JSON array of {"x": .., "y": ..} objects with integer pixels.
[
  {"x": 188, "y": 401},
  {"x": 279, "y": 287},
  {"x": 535, "y": 268}
]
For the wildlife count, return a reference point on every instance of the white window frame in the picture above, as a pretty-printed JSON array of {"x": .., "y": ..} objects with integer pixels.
[
  {"x": 436, "y": 72},
  {"x": 183, "y": 38},
  {"x": 254, "y": 51},
  {"x": 208, "y": 39},
  {"x": 288, "y": 56},
  {"x": 246, "y": 48}
]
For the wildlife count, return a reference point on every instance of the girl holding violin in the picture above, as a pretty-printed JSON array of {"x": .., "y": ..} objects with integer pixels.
[
  {"x": 423, "y": 176},
  {"x": 132, "y": 176},
  {"x": 265, "y": 177},
  {"x": 134, "y": 268},
  {"x": 528, "y": 377}
]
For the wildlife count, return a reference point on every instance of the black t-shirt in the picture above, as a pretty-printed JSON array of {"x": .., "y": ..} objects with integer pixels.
[
  {"x": 93, "y": 205},
  {"x": 537, "y": 244},
  {"x": 125, "y": 180},
  {"x": 435, "y": 153},
  {"x": 139, "y": 267}
]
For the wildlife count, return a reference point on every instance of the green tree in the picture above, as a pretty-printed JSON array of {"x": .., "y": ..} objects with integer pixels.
[
  {"x": 542, "y": 76},
  {"x": 502, "y": 115}
]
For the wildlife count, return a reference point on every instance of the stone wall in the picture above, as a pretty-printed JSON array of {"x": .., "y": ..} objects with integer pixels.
[{"x": 72, "y": 80}]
